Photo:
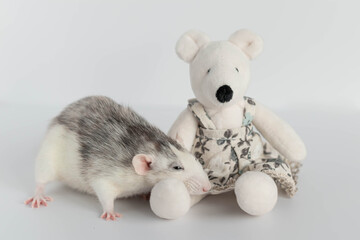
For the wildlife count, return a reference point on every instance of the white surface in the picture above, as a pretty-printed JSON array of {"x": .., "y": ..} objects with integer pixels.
[
  {"x": 55, "y": 52},
  {"x": 326, "y": 206}
]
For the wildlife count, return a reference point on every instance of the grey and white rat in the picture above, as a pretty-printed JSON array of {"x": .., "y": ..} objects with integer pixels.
[{"x": 100, "y": 147}]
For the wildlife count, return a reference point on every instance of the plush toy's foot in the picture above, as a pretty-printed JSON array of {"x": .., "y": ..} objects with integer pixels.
[
  {"x": 170, "y": 199},
  {"x": 110, "y": 216},
  {"x": 38, "y": 200},
  {"x": 256, "y": 193}
]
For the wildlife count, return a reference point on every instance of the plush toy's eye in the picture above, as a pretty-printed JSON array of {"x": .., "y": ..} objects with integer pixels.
[
  {"x": 237, "y": 69},
  {"x": 178, "y": 168},
  {"x": 208, "y": 70}
]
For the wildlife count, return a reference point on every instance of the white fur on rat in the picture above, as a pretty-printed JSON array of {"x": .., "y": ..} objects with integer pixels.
[{"x": 100, "y": 147}]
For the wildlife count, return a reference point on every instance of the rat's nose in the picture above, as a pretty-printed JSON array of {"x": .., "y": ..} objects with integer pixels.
[
  {"x": 207, "y": 188},
  {"x": 224, "y": 94}
]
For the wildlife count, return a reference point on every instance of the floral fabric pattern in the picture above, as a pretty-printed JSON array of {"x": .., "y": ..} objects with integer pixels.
[{"x": 227, "y": 153}]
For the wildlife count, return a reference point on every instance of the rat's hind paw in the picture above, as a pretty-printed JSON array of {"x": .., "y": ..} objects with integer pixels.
[
  {"x": 145, "y": 196},
  {"x": 37, "y": 201},
  {"x": 110, "y": 216}
]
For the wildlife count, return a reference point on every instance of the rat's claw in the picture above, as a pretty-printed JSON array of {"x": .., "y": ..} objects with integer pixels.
[
  {"x": 43, "y": 202},
  {"x": 110, "y": 216},
  {"x": 33, "y": 204},
  {"x": 28, "y": 201},
  {"x": 37, "y": 201},
  {"x": 49, "y": 199}
]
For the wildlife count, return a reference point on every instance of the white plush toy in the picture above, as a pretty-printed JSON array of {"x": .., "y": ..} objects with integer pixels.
[{"x": 218, "y": 128}]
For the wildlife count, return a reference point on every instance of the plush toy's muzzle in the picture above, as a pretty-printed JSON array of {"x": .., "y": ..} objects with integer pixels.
[{"x": 224, "y": 94}]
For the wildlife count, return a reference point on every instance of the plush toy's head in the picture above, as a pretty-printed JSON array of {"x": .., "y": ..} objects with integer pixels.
[{"x": 219, "y": 71}]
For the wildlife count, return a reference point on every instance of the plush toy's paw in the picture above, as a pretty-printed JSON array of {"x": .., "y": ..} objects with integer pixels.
[
  {"x": 256, "y": 193},
  {"x": 110, "y": 216},
  {"x": 38, "y": 200},
  {"x": 170, "y": 199}
]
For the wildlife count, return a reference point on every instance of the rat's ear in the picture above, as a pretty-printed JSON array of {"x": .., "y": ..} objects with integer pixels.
[
  {"x": 249, "y": 42},
  {"x": 141, "y": 163},
  {"x": 189, "y": 44}
]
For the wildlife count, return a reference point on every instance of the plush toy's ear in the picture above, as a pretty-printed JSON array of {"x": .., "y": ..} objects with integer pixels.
[
  {"x": 141, "y": 163},
  {"x": 180, "y": 140},
  {"x": 189, "y": 44},
  {"x": 249, "y": 42}
]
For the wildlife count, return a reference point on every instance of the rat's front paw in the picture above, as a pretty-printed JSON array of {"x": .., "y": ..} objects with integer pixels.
[
  {"x": 38, "y": 200},
  {"x": 110, "y": 216},
  {"x": 145, "y": 196}
]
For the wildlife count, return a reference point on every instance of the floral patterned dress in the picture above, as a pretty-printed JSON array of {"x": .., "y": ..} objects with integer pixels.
[{"x": 227, "y": 153}]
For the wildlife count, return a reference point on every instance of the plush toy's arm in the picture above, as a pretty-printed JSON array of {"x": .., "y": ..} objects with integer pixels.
[
  {"x": 184, "y": 129},
  {"x": 279, "y": 134}
]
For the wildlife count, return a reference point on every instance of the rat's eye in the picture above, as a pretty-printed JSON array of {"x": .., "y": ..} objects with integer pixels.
[
  {"x": 208, "y": 70},
  {"x": 237, "y": 69},
  {"x": 178, "y": 168}
]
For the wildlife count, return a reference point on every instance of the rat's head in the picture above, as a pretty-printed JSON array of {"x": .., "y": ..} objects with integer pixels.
[
  {"x": 219, "y": 71},
  {"x": 173, "y": 162}
]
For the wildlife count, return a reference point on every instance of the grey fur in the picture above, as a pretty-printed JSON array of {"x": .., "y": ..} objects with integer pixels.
[{"x": 110, "y": 135}]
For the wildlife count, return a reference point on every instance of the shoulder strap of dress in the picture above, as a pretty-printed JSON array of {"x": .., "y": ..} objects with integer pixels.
[
  {"x": 200, "y": 114},
  {"x": 249, "y": 110}
]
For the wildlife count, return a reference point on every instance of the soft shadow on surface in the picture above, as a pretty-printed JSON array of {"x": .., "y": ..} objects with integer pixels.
[
  {"x": 210, "y": 207},
  {"x": 214, "y": 205},
  {"x": 66, "y": 196}
]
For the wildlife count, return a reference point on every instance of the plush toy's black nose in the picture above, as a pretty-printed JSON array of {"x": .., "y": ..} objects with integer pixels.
[{"x": 224, "y": 94}]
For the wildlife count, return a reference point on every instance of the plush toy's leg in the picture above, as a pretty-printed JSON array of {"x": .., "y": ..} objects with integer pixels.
[
  {"x": 170, "y": 199},
  {"x": 256, "y": 193}
]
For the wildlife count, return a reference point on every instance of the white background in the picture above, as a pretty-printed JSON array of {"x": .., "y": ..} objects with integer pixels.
[{"x": 55, "y": 52}]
